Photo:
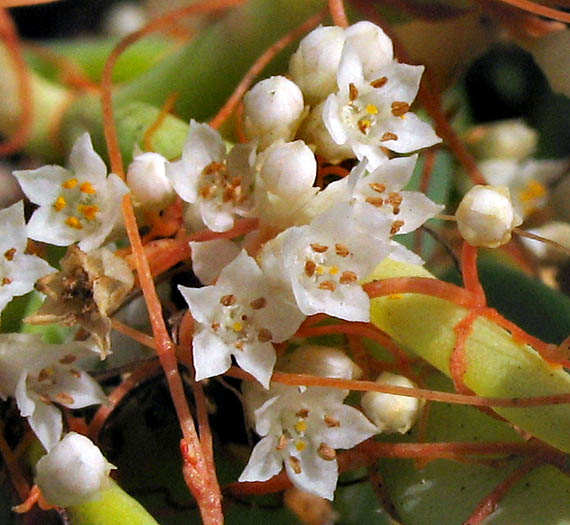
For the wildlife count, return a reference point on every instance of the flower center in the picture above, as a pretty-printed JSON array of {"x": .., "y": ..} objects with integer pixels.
[{"x": 216, "y": 183}]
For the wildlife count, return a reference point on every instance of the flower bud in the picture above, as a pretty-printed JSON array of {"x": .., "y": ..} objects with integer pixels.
[
  {"x": 323, "y": 361},
  {"x": 147, "y": 179},
  {"x": 273, "y": 109},
  {"x": 73, "y": 471},
  {"x": 486, "y": 217},
  {"x": 372, "y": 45},
  {"x": 289, "y": 168},
  {"x": 392, "y": 413},
  {"x": 508, "y": 139},
  {"x": 315, "y": 64}
]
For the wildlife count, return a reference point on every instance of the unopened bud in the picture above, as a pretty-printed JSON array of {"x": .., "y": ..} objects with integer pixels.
[
  {"x": 323, "y": 361},
  {"x": 392, "y": 413},
  {"x": 147, "y": 179},
  {"x": 508, "y": 139},
  {"x": 273, "y": 109},
  {"x": 486, "y": 216},
  {"x": 372, "y": 45}
]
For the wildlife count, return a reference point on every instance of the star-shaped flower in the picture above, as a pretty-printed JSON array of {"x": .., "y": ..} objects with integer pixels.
[
  {"x": 18, "y": 270},
  {"x": 239, "y": 316},
  {"x": 81, "y": 204},
  {"x": 39, "y": 374},
  {"x": 218, "y": 185},
  {"x": 301, "y": 428},
  {"x": 367, "y": 114}
]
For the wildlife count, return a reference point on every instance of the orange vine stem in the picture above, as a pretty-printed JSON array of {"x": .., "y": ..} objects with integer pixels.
[
  {"x": 338, "y": 13},
  {"x": 22, "y": 134},
  {"x": 538, "y": 9},
  {"x": 431, "y": 395},
  {"x": 457, "y": 359},
  {"x": 111, "y": 137},
  {"x": 260, "y": 64},
  {"x": 470, "y": 273}
]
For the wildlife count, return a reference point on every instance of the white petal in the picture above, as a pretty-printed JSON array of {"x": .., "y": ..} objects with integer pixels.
[
  {"x": 47, "y": 424},
  {"x": 244, "y": 272},
  {"x": 203, "y": 145},
  {"x": 354, "y": 428},
  {"x": 43, "y": 186},
  {"x": 202, "y": 301},
  {"x": 85, "y": 162},
  {"x": 402, "y": 254},
  {"x": 317, "y": 476},
  {"x": 84, "y": 390},
  {"x": 349, "y": 70},
  {"x": 333, "y": 121},
  {"x": 413, "y": 133},
  {"x": 416, "y": 209},
  {"x": 212, "y": 356},
  {"x": 184, "y": 180},
  {"x": 258, "y": 360},
  {"x": 47, "y": 225},
  {"x": 215, "y": 217},
  {"x": 13, "y": 228},
  {"x": 264, "y": 462},
  {"x": 210, "y": 257},
  {"x": 403, "y": 81}
]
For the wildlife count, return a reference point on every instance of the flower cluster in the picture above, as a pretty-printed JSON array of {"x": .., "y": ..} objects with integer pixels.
[{"x": 347, "y": 100}]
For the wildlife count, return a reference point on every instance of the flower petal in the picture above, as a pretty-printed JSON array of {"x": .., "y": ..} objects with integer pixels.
[{"x": 264, "y": 462}]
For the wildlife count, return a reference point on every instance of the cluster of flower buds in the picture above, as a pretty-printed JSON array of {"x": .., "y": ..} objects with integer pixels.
[{"x": 347, "y": 100}]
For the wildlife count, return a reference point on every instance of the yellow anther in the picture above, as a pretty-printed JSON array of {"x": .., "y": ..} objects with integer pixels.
[
  {"x": 73, "y": 222},
  {"x": 300, "y": 446},
  {"x": 69, "y": 184},
  {"x": 301, "y": 426},
  {"x": 333, "y": 270},
  {"x": 60, "y": 203},
  {"x": 364, "y": 125},
  {"x": 371, "y": 109},
  {"x": 87, "y": 187},
  {"x": 89, "y": 211},
  {"x": 237, "y": 326},
  {"x": 320, "y": 270}
]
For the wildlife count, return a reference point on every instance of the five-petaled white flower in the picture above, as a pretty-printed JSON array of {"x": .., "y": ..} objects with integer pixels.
[
  {"x": 218, "y": 185},
  {"x": 39, "y": 374},
  {"x": 18, "y": 271},
  {"x": 323, "y": 262},
  {"x": 240, "y": 316},
  {"x": 367, "y": 114},
  {"x": 302, "y": 428},
  {"x": 77, "y": 205}
]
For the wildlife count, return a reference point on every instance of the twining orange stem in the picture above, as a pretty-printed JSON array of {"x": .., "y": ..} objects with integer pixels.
[
  {"x": 338, "y": 13},
  {"x": 457, "y": 359},
  {"x": 9, "y": 35},
  {"x": 422, "y": 285},
  {"x": 140, "y": 374},
  {"x": 538, "y": 9},
  {"x": 490, "y": 502},
  {"x": 369, "y": 451},
  {"x": 420, "y": 393},
  {"x": 11, "y": 461},
  {"x": 111, "y": 137},
  {"x": 470, "y": 273},
  {"x": 133, "y": 333},
  {"x": 155, "y": 126},
  {"x": 260, "y": 64},
  {"x": 201, "y": 482}
]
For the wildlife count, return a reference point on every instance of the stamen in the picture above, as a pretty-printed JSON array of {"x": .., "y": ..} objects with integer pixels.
[
  {"x": 331, "y": 422},
  {"x": 214, "y": 167},
  {"x": 300, "y": 445},
  {"x": 73, "y": 222},
  {"x": 215, "y": 326},
  {"x": 238, "y": 345},
  {"x": 320, "y": 270},
  {"x": 69, "y": 184},
  {"x": 310, "y": 267},
  {"x": 400, "y": 108},
  {"x": 259, "y": 303},
  {"x": 87, "y": 187},
  {"x": 228, "y": 300},
  {"x": 396, "y": 225},
  {"x": 295, "y": 464},
  {"x": 348, "y": 277},
  {"x": 43, "y": 375},
  {"x": 282, "y": 442},
  {"x": 333, "y": 270},
  {"x": 395, "y": 199},
  {"x": 364, "y": 125},
  {"x": 67, "y": 359},
  {"x": 352, "y": 92},
  {"x": 342, "y": 250},
  {"x": 375, "y": 201},
  {"x": 328, "y": 285},
  {"x": 378, "y": 187},
  {"x": 319, "y": 248},
  {"x": 6, "y": 280},
  {"x": 89, "y": 211},
  {"x": 45, "y": 400},
  {"x": 301, "y": 426},
  {"x": 379, "y": 82},
  {"x": 64, "y": 398},
  {"x": 326, "y": 452},
  {"x": 303, "y": 412},
  {"x": 237, "y": 326},
  {"x": 59, "y": 203},
  {"x": 207, "y": 192},
  {"x": 388, "y": 136},
  {"x": 264, "y": 335},
  {"x": 75, "y": 373}
]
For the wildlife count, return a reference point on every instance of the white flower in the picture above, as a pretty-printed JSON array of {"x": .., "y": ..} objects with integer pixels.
[
  {"x": 18, "y": 271},
  {"x": 38, "y": 375},
  {"x": 323, "y": 263},
  {"x": 302, "y": 428},
  {"x": 146, "y": 177},
  {"x": 72, "y": 472},
  {"x": 392, "y": 413},
  {"x": 528, "y": 181},
  {"x": 239, "y": 316},
  {"x": 486, "y": 216},
  {"x": 314, "y": 65},
  {"x": 82, "y": 204},
  {"x": 210, "y": 257},
  {"x": 369, "y": 114},
  {"x": 218, "y": 186},
  {"x": 273, "y": 109}
]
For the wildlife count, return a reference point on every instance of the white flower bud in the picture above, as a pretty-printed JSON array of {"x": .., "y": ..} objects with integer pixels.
[
  {"x": 315, "y": 64},
  {"x": 273, "y": 109},
  {"x": 146, "y": 177},
  {"x": 74, "y": 471},
  {"x": 289, "y": 168},
  {"x": 391, "y": 413},
  {"x": 486, "y": 217},
  {"x": 323, "y": 361},
  {"x": 508, "y": 139},
  {"x": 372, "y": 45}
]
